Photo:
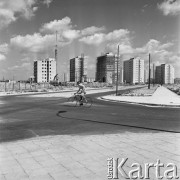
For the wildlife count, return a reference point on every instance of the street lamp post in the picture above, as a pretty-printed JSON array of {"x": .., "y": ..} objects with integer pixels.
[
  {"x": 149, "y": 73},
  {"x": 117, "y": 79}
]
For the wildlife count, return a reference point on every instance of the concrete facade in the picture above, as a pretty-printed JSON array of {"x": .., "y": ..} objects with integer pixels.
[
  {"x": 167, "y": 71},
  {"x": 134, "y": 71},
  {"x": 106, "y": 69},
  {"x": 44, "y": 70},
  {"x": 164, "y": 74},
  {"x": 78, "y": 68},
  {"x": 158, "y": 75},
  {"x": 177, "y": 81}
]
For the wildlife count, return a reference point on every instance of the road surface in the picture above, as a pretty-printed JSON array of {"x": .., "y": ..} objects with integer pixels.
[{"x": 24, "y": 117}]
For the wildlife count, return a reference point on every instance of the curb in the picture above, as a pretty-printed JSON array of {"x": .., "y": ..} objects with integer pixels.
[
  {"x": 145, "y": 104},
  {"x": 37, "y": 93}
]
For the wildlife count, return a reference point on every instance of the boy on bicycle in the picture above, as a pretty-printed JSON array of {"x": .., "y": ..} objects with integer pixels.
[{"x": 81, "y": 92}]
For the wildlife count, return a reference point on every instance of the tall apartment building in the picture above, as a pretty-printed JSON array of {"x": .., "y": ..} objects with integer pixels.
[
  {"x": 177, "y": 81},
  {"x": 78, "y": 68},
  {"x": 167, "y": 71},
  {"x": 134, "y": 71},
  {"x": 106, "y": 69},
  {"x": 44, "y": 70},
  {"x": 164, "y": 74},
  {"x": 158, "y": 78}
]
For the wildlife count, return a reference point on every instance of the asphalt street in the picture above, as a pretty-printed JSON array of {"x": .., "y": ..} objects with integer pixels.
[{"x": 24, "y": 117}]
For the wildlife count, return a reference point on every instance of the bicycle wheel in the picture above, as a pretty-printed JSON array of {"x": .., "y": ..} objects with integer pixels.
[
  {"x": 72, "y": 101},
  {"x": 78, "y": 100},
  {"x": 87, "y": 102}
]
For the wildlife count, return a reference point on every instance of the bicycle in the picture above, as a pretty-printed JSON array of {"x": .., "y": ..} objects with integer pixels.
[{"x": 76, "y": 100}]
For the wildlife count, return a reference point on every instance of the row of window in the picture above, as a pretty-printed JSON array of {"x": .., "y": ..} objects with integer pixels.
[
  {"x": 45, "y": 68},
  {"x": 46, "y": 61},
  {"x": 45, "y": 75},
  {"x": 46, "y": 78}
]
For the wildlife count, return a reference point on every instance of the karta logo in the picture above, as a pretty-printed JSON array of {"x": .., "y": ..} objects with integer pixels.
[{"x": 116, "y": 169}]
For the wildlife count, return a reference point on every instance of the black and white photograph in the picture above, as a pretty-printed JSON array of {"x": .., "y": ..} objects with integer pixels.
[{"x": 89, "y": 89}]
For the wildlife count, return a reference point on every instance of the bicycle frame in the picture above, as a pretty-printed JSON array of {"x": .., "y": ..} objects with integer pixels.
[
  {"x": 80, "y": 95},
  {"x": 85, "y": 101}
]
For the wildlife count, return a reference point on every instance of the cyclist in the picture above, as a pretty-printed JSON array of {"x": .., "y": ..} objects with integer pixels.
[{"x": 81, "y": 92}]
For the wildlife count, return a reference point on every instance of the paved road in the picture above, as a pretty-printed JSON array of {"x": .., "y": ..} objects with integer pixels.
[{"x": 24, "y": 117}]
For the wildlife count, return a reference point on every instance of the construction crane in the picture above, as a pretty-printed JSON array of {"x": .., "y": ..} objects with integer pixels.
[{"x": 56, "y": 79}]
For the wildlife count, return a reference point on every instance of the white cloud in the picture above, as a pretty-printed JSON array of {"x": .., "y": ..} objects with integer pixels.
[
  {"x": 57, "y": 25},
  {"x": 25, "y": 59},
  {"x": 117, "y": 35},
  {"x": 71, "y": 34},
  {"x": 32, "y": 43},
  {"x": 47, "y": 2},
  {"x": 124, "y": 48},
  {"x": 91, "y": 30},
  {"x": 13, "y": 67},
  {"x": 2, "y": 57},
  {"x": 11, "y": 10},
  {"x": 6, "y": 17},
  {"x": 95, "y": 39},
  {"x": 4, "y": 48},
  {"x": 35, "y": 43},
  {"x": 170, "y": 7},
  {"x": 98, "y": 38},
  {"x": 3, "y": 51},
  {"x": 153, "y": 46},
  {"x": 44, "y": 43},
  {"x": 66, "y": 30},
  {"x": 26, "y": 65}
]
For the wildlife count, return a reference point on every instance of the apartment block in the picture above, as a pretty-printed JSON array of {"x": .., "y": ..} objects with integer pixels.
[
  {"x": 44, "y": 70},
  {"x": 177, "y": 81},
  {"x": 168, "y": 74},
  {"x": 158, "y": 78},
  {"x": 134, "y": 71},
  {"x": 164, "y": 74},
  {"x": 78, "y": 68}
]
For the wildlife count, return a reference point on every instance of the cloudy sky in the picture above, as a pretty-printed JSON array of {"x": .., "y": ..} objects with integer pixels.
[{"x": 91, "y": 27}]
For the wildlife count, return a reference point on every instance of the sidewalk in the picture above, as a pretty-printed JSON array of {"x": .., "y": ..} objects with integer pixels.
[
  {"x": 75, "y": 157},
  {"x": 35, "y": 93},
  {"x": 161, "y": 97}
]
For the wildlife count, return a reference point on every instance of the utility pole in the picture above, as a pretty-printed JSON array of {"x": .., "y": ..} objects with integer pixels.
[
  {"x": 56, "y": 52},
  {"x": 117, "y": 79},
  {"x": 64, "y": 77},
  {"x": 153, "y": 74},
  {"x": 56, "y": 60},
  {"x": 149, "y": 72}
]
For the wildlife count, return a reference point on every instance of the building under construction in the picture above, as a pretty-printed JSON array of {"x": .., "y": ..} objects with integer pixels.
[{"x": 106, "y": 69}]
